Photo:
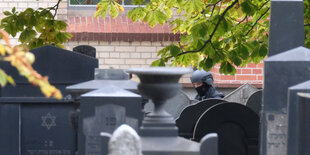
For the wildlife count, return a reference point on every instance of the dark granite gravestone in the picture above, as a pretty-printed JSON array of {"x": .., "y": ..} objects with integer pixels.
[
  {"x": 241, "y": 94},
  {"x": 255, "y": 102},
  {"x": 303, "y": 123},
  {"x": 63, "y": 68},
  {"x": 281, "y": 71},
  {"x": 86, "y": 50},
  {"x": 190, "y": 115},
  {"x": 286, "y": 26},
  {"x": 292, "y": 134},
  {"x": 103, "y": 110},
  {"x": 173, "y": 106},
  {"x": 42, "y": 127},
  {"x": 236, "y": 125}
]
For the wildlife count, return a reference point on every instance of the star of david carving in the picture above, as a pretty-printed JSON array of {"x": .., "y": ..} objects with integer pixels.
[{"x": 48, "y": 121}]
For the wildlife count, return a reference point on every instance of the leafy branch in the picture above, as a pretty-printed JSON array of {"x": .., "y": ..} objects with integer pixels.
[
  {"x": 262, "y": 15},
  {"x": 20, "y": 58}
]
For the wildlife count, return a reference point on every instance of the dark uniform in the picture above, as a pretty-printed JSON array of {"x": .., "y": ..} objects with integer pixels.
[{"x": 206, "y": 90}]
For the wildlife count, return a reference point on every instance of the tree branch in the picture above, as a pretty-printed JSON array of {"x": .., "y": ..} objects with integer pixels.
[
  {"x": 307, "y": 25},
  {"x": 257, "y": 21},
  {"x": 214, "y": 30}
]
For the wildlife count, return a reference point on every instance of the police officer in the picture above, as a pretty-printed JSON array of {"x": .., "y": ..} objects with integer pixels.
[{"x": 203, "y": 82}]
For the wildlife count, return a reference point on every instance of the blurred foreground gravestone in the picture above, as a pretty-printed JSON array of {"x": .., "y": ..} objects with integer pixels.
[
  {"x": 125, "y": 141},
  {"x": 104, "y": 110},
  {"x": 191, "y": 114},
  {"x": 241, "y": 94},
  {"x": 32, "y": 124},
  {"x": 303, "y": 123},
  {"x": 236, "y": 125}
]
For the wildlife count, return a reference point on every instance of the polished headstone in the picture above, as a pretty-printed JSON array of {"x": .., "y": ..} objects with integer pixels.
[
  {"x": 255, "y": 101},
  {"x": 241, "y": 94},
  {"x": 236, "y": 125},
  {"x": 286, "y": 26},
  {"x": 190, "y": 115},
  {"x": 173, "y": 106},
  {"x": 104, "y": 110},
  {"x": 281, "y": 71},
  {"x": 42, "y": 127},
  {"x": 292, "y": 146}
]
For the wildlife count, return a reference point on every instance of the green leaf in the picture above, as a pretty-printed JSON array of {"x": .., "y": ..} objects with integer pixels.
[
  {"x": 158, "y": 62},
  {"x": 3, "y": 80},
  {"x": 137, "y": 13},
  {"x": 227, "y": 68},
  {"x": 263, "y": 51},
  {"x": 175, "y": 50},
  {"x": 27, "y": 35},
  {"x": 242, "y": 51},
  {"x": 7, "y": 13},
  {"x": 113, "y": 11}
]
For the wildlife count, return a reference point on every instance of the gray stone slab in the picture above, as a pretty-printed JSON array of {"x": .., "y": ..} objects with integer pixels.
[
  {"x": 84, "y": 87},
  {"x": 281, "y": 71},
  {"x": 241, "y": 94},
  {"x": 255, "y": 102},
  {"x": 286, "y": 26},
  {"x": 292, "y": 146},
  {"x": 104, "y": 110},
  {"x": 173, "y": 106}
]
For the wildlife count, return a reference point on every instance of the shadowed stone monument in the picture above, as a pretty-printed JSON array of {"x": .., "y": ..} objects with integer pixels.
[{"x": 282, "y": 70}]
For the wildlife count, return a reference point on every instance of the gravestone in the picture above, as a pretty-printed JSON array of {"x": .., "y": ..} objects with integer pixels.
[
  {"x": 190, "y": 115},
  {"x": 286, "y": 33},
  {"x": 281, "y": 71},
  {"x": 292, "y": 140},
  {"x": 86, "y": 50},
  {"x": 236, "y": 125},
  {"x": 23, "y": 103},
  {"x": 286, "y": 26},
  {"x": 209, "y": 144},
  {"x": 44, "y": 127},
  {"x": 255, "y": 101},
  {"x": 241, "y": 94},
  {"x": 125, "y": 140},
  {"x": 303, "y": 123},
  {"x": 173, "y": 106},
  {"x": 104, "y": 110},
  {"x": 110, "y": 74}
]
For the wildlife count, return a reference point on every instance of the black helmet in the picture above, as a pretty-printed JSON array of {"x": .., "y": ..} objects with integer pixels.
[{"x": 202, "y": 76}]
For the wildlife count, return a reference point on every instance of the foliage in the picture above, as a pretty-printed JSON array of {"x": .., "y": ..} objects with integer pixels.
[
  {"x": 36, "y": 27},
  {"x": 230, "y": 32},
  {"x": 112, "y": 5},
  {"x": 21, "y": 59}
]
